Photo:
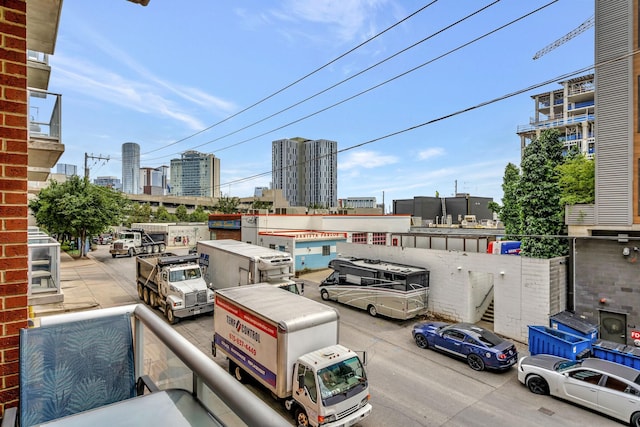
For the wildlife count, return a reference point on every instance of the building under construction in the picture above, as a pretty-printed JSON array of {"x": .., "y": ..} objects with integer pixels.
[{"x": 570, "y": 110}]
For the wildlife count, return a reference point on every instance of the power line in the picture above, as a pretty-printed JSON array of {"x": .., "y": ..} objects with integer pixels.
[
  {"x": 382, "y": 83},
  {"x": 432, "y": 121},
  {"x": 344, "y": 80},
  {"x": 390, "y": 79},
  {"x": 298, "y": 80}
]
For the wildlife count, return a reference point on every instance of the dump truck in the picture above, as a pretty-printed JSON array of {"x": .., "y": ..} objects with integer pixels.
[
  {"x": 174, "y": 284},
  {"x": 137, "y": 241},
  {"x": 228, "y": 263},
  {"x": 289, "y": 344}
]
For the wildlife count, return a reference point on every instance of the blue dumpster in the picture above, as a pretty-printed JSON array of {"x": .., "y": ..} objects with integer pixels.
[
  {"x": 569, "y": 322},
  {"x": 616, "y": 352},
  {"x": 544, "y": 340}
]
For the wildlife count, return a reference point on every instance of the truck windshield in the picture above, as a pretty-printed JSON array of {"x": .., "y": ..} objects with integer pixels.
[
  {"x": 341, "y": 381},
  {"x": 186, "y": 274}
]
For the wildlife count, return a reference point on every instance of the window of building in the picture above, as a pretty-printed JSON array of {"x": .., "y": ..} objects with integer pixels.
[
  {"x": 379, "y": 238},
  {"x": 272, "y": 246},
  {"x": 359, "y": 238},
  {"x": 326, "y": 250}
]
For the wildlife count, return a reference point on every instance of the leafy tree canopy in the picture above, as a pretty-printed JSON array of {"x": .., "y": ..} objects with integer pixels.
[
  {"x": 539, "y": 198},
  {"x": 78, "y": 207},
  {"x": 199, "y": 215},
  {"x": 227, "y": 205},
  {"x": 577, "y": 180}
]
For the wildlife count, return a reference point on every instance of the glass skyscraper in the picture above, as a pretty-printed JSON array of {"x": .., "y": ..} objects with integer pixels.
[{"x": 130, "y": 168}]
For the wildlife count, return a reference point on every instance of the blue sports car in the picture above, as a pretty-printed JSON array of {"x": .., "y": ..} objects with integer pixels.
[{"x": 480, "y": 347}]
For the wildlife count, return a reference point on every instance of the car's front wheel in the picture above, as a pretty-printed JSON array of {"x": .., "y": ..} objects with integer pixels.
[
  {"x": 475, "y": 362},
  {"x": 538, "y": 385},
  {"x": 635, "y": 419},
  {"x": 324, "y": 294},
  {"x": 421, "y": 341}
]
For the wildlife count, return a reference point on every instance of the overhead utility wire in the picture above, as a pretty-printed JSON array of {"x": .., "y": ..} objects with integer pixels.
[
  {"x": 388, "y": 80},
  {"x": 447, "y": 116},
  {"x": 347, "y": 79},
  {"x": 298, "y": 80}
]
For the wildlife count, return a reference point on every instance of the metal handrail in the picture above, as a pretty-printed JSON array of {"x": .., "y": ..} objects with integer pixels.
[
  {"x": 247, "y": 406},
  {"x": 485, "y": 297}
]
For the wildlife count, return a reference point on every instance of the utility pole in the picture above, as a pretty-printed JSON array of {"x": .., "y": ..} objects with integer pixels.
[{"x": 92, "y": 157}]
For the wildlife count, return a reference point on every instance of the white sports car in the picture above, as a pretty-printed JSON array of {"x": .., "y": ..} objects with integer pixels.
[{"x": 607, "y": 387}]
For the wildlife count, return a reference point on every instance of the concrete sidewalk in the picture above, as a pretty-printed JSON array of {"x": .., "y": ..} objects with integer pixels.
[{"x": 84, "y": 287}]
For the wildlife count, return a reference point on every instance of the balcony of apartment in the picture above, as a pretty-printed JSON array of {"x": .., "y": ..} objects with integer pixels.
[
  {"x": 125, "y": 365},
  {"x": 44, "y": 144},
  {"x": 554, "y": 122},
  {"x": 38, "y": 70},
  {"x": 44, "y": 141}
]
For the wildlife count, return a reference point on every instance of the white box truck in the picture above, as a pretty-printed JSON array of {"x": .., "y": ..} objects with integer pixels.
[
  {"x": 228, "y": 263},
  {"x": 289, "y": 344},
  {"x": 174, "y": 284}
]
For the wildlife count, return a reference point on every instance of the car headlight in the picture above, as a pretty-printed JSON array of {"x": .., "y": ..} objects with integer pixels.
[{"x": 327, "y": 419}]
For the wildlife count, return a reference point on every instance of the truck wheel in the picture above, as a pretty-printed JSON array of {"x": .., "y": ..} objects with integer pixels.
[
  {"x": 373, "y": 311},
  {"x": 324, "y": 294},
  {"x": 145, "y": 295},
  {"x": 300, "y": 417},
  {"x": 155, "y": 249},
  {"x": 149, "y": 249},
  {"x": 171, "y": 318},
  {"x": 162, "y": 247},
  {"x": 113, "y": 255},
  {"x": 131, "y": 252},
  {"x": 140, "y": 292},
  {"x": 153, "y": 299}
]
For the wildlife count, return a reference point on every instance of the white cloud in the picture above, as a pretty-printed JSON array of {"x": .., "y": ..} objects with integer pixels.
[
  {"x": 363, "y": 159},
  {"x": 430, "y": 153}
]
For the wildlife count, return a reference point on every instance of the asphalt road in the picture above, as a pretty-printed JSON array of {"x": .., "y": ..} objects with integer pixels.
[{"x": 409, "y": 386}]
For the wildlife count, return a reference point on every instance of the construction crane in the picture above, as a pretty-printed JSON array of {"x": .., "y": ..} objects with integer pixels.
[{"x": 579, "y": 30}]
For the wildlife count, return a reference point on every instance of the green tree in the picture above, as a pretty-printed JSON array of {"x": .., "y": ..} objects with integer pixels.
[
  {"x": 511, "y": 211},
  {"x": 199, "y": 215},
  {"x": 182, "y": 214},
  {"x": 539, "y": 197},
  {"x": 78, "y": 207},
  {"x": 577, "y": 179},
  {"x": 139, "y": 213},
  {"x": 163, "y": 215},
  {"x": 227, "y": 205},
  {"x": 260, "y": 204}
]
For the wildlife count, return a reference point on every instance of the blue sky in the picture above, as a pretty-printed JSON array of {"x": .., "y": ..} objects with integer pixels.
[{"x": 158, "y": 74}]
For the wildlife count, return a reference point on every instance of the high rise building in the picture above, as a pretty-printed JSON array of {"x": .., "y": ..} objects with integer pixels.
[
  {"x": 195, "y": 174},
  {"x": 66, "y": 169},
  {"x": 306, "y": 171},
  {"x": 154, "y": 180},
  {"x": 131, "y": 168}
]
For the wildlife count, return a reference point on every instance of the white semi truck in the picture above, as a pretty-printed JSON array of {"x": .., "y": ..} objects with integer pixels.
[
  {"x": 289, "y": 344},
  {"x": 228, "y": 263},
  {"x": 174, "y": 284}
]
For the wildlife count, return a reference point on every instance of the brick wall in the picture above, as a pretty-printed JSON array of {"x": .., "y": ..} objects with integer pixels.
[{"x": 13, "y": 194}]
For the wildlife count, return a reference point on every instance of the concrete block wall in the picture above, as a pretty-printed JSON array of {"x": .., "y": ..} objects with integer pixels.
[
  {"x": 13, "y": 194},
  {"x": 603, "y": 272}
]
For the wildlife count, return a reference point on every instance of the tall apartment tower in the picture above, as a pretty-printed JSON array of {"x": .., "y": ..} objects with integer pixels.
[
  {"x": 570, "y": 110},
  {"x": 131, "y": 168},
  {"x": 306, "y": 171},
  {"x": 154, "y": 180},
  {"x": 195, "y": 174}
]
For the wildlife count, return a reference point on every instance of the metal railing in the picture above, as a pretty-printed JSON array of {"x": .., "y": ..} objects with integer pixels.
[
  {"x": 171, "y": 361},
  {"x": 45, "y": 114}
]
